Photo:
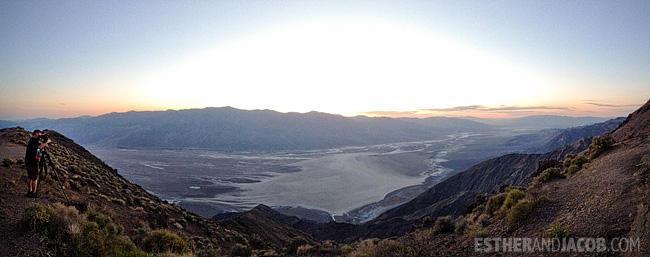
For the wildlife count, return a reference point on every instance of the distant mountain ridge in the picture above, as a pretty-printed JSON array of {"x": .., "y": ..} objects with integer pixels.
[
  {"x": 233, "y": 129},
  {"x": 540, "y": 121},
  {"x": 228, "y": 128}
]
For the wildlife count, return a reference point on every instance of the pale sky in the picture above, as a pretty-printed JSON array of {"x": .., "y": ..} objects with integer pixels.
[{"x": 395, "y": 58}]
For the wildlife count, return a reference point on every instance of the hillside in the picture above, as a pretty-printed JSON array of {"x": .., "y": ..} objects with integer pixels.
[
  {"x": 571, "y": 135},
  {"x": 92, "y": 185},
  {"x": 601, "y": 193}
]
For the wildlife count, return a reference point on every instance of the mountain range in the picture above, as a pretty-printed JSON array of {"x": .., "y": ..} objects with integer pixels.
[{"x": 227, "y": 128}]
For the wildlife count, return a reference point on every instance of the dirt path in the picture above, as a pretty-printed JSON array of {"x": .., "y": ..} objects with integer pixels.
[{"x": 13, "y": 186}]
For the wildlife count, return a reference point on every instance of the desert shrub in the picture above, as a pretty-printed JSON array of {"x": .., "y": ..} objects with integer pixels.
[
  {"x": 556, "y": 231},
  {"x": 163, "y": 240},
  {"x": 8, "y": 162},
  {"x": 96, "y": 240},
  {"x": 390, "y": 247},
  {"x": 460, "y": 225},
  {"x": 494, "y": 203},
  {"x": 520, "y": 211},
  {"x": 567, "y": 159},
  {"x": 475, "y": 230},
  {"x": 546, "y": 164},
  {"x": 99, "y": 236},
  {"x": 573, "y": 169},
  {"x": 365, "y": 248},
  {"x": 428, "y": 221},
  {"x": 600, "y": 144},
  {"x": 65, "y": 223},
  {"x": 101, "y": 219},
  {"x": 346, "y": 250},
  {"x": 36, "y": 217},
  {"x": 240, "y": 250},
  {"x": 329, "y": 248},
  {"x": 549, "y": 174},
  {"x": 444, "y": 225},
  {"x": 579, "y": 161},
  {"x": 306, "y": 250},
  {"x": 513, "y": 197},
  {"x": 78, "y": 235}
]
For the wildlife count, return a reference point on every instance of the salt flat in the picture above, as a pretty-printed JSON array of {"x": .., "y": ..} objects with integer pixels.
[{"x": 337, "y": 183}]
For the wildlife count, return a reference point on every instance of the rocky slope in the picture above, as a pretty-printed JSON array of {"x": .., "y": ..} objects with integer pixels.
[
  {"x": 607, "y": 198},
  {"x": 571, "y": 135},
  {"x": 91, "y": 184}
]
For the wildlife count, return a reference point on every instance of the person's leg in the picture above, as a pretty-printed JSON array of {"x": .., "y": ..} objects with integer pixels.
[
  {"x": 35, "y": 185},
  {"x": 32, "y": 176}
]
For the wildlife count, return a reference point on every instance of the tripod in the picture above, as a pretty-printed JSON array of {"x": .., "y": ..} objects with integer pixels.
[{"x": 44, "y": 161}]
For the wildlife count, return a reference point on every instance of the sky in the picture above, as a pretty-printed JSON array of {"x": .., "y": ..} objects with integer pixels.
[{"x": 375, "y": 58}]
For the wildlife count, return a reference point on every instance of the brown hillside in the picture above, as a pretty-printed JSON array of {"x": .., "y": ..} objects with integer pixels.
[
  {"x": 609, "y": 197},
  {"x": 91, "y": 184},
  {"x": 636, "y": 124}
]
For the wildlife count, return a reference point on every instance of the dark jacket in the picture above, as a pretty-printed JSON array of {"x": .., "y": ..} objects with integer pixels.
[{"x": 31, "y": 155}]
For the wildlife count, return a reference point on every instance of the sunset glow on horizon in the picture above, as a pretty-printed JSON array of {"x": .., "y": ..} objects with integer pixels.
[{"x": 395, "y": 59}]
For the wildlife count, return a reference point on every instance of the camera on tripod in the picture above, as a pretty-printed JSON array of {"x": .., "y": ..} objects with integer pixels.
[
  {"x": 44, "y": 137},
  {"x": 46, "y": 163}
]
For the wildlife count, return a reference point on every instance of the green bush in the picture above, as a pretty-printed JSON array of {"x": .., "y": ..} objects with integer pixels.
[
  {"x": 240, "y": 250},
  {"x": 579, "y": 161},
  {"x": 573, "y": 159},
  {"x": 549, "y": 174},
  {"x": 444, "y": 225},
  {"x": 557, "y": 231},
  {"x": 305, "y": 250},
  {"x": 513, "y": 197},
  {"x": 568, "y": 159},
  {"x": 162, "y": 241},
  {"x": 66, "y": 222},
  {"x": 520, "y": 211},
  {"x": 390, "y": 247},
  {"x": 494, "y": 203},
  {"x": 36, "y": 217},
  {"x": 460, "y": 225},
  {"x": 600, "y": 144},
  {"x": 8, "y": 162},
  {"x": 573, "y": 169},
  {"x": 96, "y": 240},
  {"x": 99, "y": 218},
  {"x": 92, "y": 234}
]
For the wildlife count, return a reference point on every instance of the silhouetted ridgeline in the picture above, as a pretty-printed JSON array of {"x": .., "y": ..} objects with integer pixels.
[{"x": 232, "y": 129}]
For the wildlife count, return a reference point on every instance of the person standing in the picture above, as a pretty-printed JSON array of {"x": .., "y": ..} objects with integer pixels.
[{"x": 31, "y": 161}]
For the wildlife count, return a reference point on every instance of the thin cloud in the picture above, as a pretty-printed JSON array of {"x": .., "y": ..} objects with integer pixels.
[
  {"x": 475, "y": 109},
  {"x": 390, "y": 113},
  {"x": 523, "y": 108},
  {"x": 613, "y": 105},
  {"x": 496, "y": 109},
  {"x": 455, "y": 109}
]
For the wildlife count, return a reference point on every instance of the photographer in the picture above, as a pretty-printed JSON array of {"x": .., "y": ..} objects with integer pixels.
[{"x": 31, "y": 161}]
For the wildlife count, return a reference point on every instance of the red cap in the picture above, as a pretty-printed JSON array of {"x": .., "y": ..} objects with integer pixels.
[{"x": 37, "y": 131}]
